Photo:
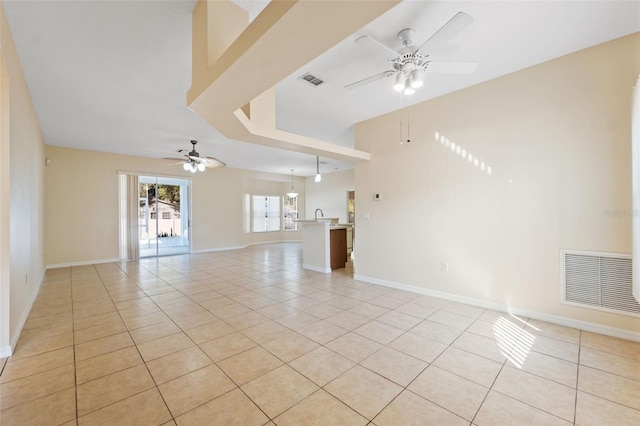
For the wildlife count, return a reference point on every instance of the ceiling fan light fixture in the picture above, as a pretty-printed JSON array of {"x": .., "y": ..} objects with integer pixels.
[
  {"x": 400, "y": 83},
  {"x": 408, "y": 91},
  {"x": 193, "y": 162},
  {"x": 417, "y": 79}
]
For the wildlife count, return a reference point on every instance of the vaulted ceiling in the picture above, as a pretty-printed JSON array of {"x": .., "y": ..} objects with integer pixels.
[{"x": 113, "y": 76}]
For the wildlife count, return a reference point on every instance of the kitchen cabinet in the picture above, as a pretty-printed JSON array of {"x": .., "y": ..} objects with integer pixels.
[
  {"x": 324, "y": 245},
  {"x": 338, "y": 243}
]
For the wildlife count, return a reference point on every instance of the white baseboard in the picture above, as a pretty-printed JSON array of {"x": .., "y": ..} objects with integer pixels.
[
  {"x": 5, "y": 351},
  {"x": 217, "y": 249},
  {"x": 243, "y": 246},
  {"x": 317, "y": 268},
  {"x": 564, "y": 321},
  {"x": 83, "y": 263},
  {"x": 25, "y": 315}
]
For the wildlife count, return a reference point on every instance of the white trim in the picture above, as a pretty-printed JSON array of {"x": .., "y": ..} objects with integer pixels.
[
  {"x": 597, "y": 253},
  {"x": 635, "y": 189},
  {"x": 567, "y": 322},
  {"x": 5, "y": 351},
  {"x": 117, "y": 259},
  {"x": 185, "y": 177},
  {"x": 600, "y": 308},
  {"x": 243, "y": 246},
  {"x": 218, "y": 249},
  {"x": 25, "y": 315},
  {"x": 317, "y": 268},
  {"x": 563, "y": 283},
  {"x": 83, "y": 263}
]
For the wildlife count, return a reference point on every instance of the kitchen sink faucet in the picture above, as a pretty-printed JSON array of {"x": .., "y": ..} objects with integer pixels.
[{"x": 321, "y": 213}]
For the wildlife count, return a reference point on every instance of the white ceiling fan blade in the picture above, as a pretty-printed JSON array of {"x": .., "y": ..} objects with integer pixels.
[
  {"x": 455, "y": 25},
  {"x": 178, "y": 160},
  {"x": 212, "y": 163},
  {"x": 451, "y": 67},
  {"x": 374, "y": 45},
  {"x": 371, "y": 79}
]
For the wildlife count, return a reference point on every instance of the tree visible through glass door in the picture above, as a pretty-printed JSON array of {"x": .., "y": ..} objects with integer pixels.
[{"x": 164, "y": 218}]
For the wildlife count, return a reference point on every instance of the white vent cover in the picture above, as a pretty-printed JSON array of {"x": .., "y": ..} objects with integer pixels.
[
  {"x": 311, "y": 79},
  {"x": 599, "y": 281}
]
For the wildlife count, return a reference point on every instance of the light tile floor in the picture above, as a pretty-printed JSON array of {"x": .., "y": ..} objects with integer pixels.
[{"x": 248, "y": 337}]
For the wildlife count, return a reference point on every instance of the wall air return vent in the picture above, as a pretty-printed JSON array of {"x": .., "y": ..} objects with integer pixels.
[
  {"x": 599, "y": 281},
  {"x": 311, "y": 79}
]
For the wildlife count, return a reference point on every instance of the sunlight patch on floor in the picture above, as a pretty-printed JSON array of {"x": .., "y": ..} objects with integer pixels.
[{"x": 514, "y": 342}]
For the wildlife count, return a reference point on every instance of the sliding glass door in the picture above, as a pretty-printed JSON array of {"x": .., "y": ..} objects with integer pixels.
[{"x": 163, "y": 216}]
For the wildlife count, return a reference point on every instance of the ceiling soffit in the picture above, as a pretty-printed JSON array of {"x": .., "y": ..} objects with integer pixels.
[{"x": 283, "y": 38}]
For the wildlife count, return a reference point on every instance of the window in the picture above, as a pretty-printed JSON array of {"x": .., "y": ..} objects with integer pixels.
[
  {"x": 290, "y": 207},
  {"x": 153, "y": 215},
  {"x": 166, "y": 215},
  {"x": 265, "y": 213},
  {"x": 246, "y": 216}
]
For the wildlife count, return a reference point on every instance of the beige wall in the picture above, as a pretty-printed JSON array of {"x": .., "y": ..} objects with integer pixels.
[
  {"x": 557, "y": 139},
  {"x": 82, "y": 204},
  {"x": 21, "y": 189},
  {"x": 330, "y": 194}
]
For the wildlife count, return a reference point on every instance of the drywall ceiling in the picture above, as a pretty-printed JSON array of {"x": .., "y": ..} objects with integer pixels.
[{"x": 113, "y": 75}]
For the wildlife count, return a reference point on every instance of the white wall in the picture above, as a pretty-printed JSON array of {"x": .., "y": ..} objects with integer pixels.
[
  {"x": 330, "y": 194},
  {"x": 557, "y": 139},
  {"x": 22, "y": 270}
]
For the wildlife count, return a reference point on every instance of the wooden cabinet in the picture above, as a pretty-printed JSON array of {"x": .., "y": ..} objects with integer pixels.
[{"x": 338, "y": 244}]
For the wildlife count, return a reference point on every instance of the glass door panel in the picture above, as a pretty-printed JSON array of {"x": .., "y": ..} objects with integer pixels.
[
  {"x": 173, "y": 216},
  {"x": 164, "y": 217}
]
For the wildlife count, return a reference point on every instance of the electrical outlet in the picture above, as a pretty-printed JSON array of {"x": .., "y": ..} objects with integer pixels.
[{"x": 444, "y": 266}]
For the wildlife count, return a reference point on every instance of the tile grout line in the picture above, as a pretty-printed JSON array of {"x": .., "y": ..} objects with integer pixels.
[
  {"x": 575, "y": 406},
  {"x": 526, "y": 403},
  {"x": 136, "y": 345},
  {"x": 213, "y": 362},
  {"x": 318, "y": 286},
  {"x": 128, "y": 331},
  {"x": 404, "y": 388},
  {"x": 73, "y": 337}
]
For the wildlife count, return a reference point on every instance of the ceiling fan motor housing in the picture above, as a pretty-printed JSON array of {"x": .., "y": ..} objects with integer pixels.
[
  {"x": 410, "y": 60},
  {"x": 193, "y": 152}
]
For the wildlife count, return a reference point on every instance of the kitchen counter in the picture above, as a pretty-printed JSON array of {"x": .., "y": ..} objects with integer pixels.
[{"x": 324, "y": 246}]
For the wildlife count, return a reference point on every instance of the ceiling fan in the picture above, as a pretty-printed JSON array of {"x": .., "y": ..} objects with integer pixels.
[
  {"x": 411, "y": 62},
  {"x": 192, "y": 161}
]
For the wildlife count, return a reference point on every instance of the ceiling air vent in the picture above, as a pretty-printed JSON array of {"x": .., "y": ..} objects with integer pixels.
[
  {"x": 599, "y": 281},
  {"x": 311, "y": 79}
]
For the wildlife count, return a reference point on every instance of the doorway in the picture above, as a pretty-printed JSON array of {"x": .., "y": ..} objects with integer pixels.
[
  {"x": 163, "y": 216},
  {"x": 351, "y": 218}
]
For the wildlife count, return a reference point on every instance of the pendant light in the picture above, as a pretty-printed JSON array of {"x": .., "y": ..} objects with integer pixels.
[
  {"x": 318, "y": 175},
  {"x": 292, "y": 194}
]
